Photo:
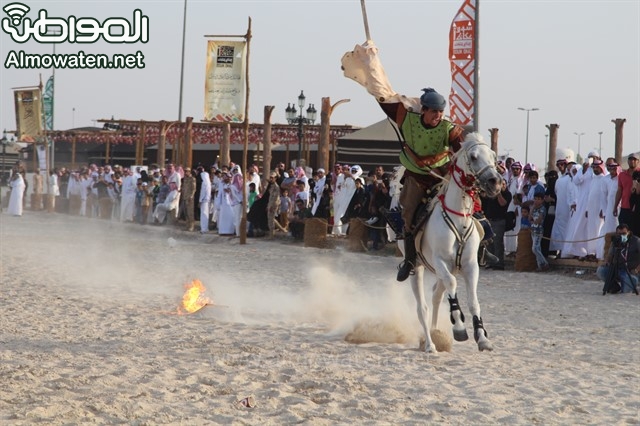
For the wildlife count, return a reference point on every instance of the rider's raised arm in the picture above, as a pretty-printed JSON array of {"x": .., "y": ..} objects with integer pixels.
[{"x": 363, "y": 66}]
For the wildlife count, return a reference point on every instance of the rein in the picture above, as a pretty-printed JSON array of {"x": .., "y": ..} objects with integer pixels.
[{"x": 467, "y": 183}]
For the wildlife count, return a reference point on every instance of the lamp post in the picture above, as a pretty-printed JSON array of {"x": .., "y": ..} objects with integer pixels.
[
  {"x": 293, "y": 118},
  {"x": 579, "y": 135},
  {"x": 600, "y": 144},
  {"x": 526, "y": 152},
  {"x": 4, "y": 141}
]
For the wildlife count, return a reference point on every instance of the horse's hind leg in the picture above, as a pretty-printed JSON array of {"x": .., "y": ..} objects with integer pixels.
[{"x": 422, "y": 308}]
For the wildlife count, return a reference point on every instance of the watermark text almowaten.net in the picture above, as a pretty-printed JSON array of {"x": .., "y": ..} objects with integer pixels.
[{"x": 80, "y": 60}]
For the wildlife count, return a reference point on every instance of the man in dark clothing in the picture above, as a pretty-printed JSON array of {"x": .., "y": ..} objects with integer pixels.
[
  {"x": 495, "y": 209},
  {"x": 624, "y": 252}
]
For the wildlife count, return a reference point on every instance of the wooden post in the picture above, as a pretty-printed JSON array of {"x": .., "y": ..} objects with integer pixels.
[
  {"x": 140, "y": 144},
  {"x": 325, "y": 126},
  {"x": 188, "y": 160},
  {"x": 107, "y": 151},
  {"x": 266, "y": 142},
  {"x": 553, "y": 145},
  {"x": 494, "y": 139},
  {"x": 334, "y": 146},
  {"x": 73, "y": 152},
  {"x": 243, "y": 221},
  {"x": 225, "y": 144},
  {"x": 162, "y": 144},
  {"x": 619, "y": 123},
  {"x": 286, "y": 161}
]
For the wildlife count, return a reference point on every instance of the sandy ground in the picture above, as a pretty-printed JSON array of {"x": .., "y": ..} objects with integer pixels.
[{"x": 87, "y": 336}]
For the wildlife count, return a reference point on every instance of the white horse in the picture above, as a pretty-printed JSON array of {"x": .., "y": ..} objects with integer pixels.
[{"x": 451, "y": 239}]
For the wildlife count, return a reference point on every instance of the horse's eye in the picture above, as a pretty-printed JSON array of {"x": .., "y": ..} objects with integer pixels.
[{"x": 473, "y": 156}]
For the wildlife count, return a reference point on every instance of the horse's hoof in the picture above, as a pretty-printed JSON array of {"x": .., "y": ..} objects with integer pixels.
[
  {"x": 460, "y": 335},
  {"x": 485, "y": 345},
  {"x": 423, "y": 347}
]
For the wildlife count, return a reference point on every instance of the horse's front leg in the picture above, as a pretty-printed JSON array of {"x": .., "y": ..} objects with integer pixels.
[
  {"x": 451, "y": 285},
  {"x": 418, "y": 291},
  {"x": 438, "y": 295},
  {"x": 471, "y": 274}
]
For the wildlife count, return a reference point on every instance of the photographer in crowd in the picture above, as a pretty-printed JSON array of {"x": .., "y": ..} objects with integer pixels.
[{"x": 622, "y": 263}]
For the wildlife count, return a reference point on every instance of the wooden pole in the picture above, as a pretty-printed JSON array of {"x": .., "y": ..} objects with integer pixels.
[
  {"x": 323, "y": 143},
  {"x": 243, "y": 222},
  {"x": 107, "y": 151},
  {"x": 494, "y": 139},
  {"x": 162, "y": 144},
  {"x": 140, "y": 144},
  {"x": 225, "y": 145},
  {"x": 73, "y": 152},
  {"x": 266, "y": 142},
  {"x": 189, "y": 143},
  {"x": 553, "y": 145}
]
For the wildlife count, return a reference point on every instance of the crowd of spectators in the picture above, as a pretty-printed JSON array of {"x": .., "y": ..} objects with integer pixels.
[{"x": 580, "y": 203}]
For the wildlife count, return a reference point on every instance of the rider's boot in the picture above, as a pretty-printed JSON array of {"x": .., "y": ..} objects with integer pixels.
[
  {"x": 486, "y": 257},
  {"x": 407, "y": 265}
]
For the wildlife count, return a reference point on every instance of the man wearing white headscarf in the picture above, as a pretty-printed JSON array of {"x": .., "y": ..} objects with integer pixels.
[
  {"x": 610, "y": 219},
  {"x": 318, "y": 190},
  {"x": 565, "y": 197},
  {"x": 205, "y": 200},
  {"x": 170, "y": 203},
  {"x": 127, "y": 205},
  {"x": 596, "y": 209},
  {"x": 346, "y": 193},
  {"x": 228, "y": 197},
  {"x": 18, "y": 186},
  {"x": 582, "y": 180}
]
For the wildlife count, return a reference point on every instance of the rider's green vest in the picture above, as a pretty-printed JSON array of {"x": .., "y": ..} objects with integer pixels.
[{"x": 424, "y": 141}]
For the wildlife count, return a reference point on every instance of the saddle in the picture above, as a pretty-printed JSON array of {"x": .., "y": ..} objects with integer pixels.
[{"x": 423, "y": 212}]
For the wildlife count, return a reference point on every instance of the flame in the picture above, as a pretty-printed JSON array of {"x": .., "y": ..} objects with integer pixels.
[{"x": 193, "y": 299}]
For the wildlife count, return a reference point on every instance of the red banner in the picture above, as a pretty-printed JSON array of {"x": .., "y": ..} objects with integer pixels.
[{"x": 462, "y": 57}]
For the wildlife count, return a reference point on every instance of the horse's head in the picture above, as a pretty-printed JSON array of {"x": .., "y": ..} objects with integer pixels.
[{"x": 476, "y": 159}]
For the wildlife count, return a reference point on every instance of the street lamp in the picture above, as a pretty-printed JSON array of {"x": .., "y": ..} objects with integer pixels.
[
  {"x": 293, "y": 118},
  {"x": 579, "y": 135},
  {"x": 5, "y": 142},
  {"x": 600, "y": 144},
  {"x": 526, "y": 152}
]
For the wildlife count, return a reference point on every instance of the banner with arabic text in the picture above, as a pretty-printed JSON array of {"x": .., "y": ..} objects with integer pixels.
[
  {"x": 224, "y": 97},
  {"x": 462, "y": 42},
  {"x": 28, "y": 104},
  {"x": 47, "y": 102}
]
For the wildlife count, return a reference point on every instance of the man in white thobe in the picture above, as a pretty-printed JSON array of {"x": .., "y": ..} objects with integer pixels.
[
  {"x": 128, "y": 197},
  {"x": 170, "y": 203},
  {"x": 565, "y": 197},
  {"x": 205, "y": 201},
  {"x": 17, "y": 186},
  {"x": 228, "y": 197},
  {"x": 596, "y": 209}
]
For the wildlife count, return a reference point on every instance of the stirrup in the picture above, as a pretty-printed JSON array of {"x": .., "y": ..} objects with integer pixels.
[{"x": 401, "y": 266}]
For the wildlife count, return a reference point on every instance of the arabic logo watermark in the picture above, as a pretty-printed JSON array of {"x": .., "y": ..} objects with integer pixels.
[
  {"x": 84, "y": 30},
  {"x": 72, "y": 29}
]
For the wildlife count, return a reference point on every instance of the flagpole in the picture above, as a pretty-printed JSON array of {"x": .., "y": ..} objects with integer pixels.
[
  {"x": 366, "y": 21},
  {"x": 476, "y": 56}
]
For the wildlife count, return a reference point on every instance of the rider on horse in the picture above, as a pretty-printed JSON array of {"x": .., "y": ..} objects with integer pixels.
[{"x": 428, "y": 139}]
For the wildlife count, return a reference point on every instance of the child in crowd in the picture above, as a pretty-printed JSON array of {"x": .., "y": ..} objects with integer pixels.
[
  {"x": 538, "y": 213},
  {"x": 285, "y": 209},
  {"x": 525, "y": 222}
]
